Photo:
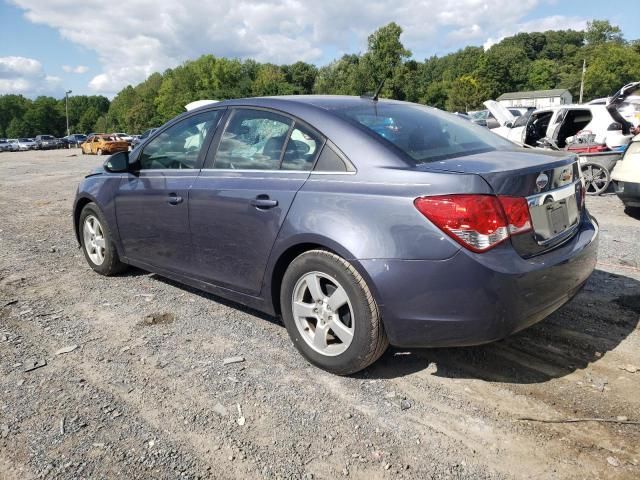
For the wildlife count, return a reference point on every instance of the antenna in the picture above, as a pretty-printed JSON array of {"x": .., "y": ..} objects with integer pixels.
[{"x": 378, "y": 90}]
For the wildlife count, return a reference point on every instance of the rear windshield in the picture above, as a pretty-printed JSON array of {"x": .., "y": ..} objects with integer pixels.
[{"x": 424, "y": 134}]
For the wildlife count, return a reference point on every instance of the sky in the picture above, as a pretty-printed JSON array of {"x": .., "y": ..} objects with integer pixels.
[{"x": 97, "y": 47}]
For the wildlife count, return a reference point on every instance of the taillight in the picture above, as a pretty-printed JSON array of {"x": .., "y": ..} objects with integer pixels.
[{"x": 477, "y": 222}]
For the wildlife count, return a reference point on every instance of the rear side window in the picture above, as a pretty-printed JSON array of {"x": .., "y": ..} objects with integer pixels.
[
  {"x": 253, "y": 140},
  {"x": 302, "y": 149},
  {"x": 424, "y": 134},
  {"x": 330, "y": 161}
]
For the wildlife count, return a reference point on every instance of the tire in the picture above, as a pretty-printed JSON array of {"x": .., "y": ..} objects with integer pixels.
[
  {"x": 362, "y": 339},
  {"x": 597, "y": 178},
  {"x": 110, "y": 264}
]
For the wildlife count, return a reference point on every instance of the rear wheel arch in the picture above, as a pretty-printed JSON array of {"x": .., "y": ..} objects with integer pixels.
[{"x": 293, "y": 251}]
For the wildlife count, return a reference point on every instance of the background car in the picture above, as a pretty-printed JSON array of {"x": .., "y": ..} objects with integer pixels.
[
  {"x": 103, "y": 144},
  {"x": 26, "y": 144},
  {"x": 124, "y": 137},
  {"x": 361, "y": 222},
  {"x": 626, "y": 175},
  {"x": 75, "y": 139},
  {"x": 46, "y": 142},
  {"x": 142, "y": 138},
  {"x": 5, "y": 146},
  {"x": 485, "y": 118}
]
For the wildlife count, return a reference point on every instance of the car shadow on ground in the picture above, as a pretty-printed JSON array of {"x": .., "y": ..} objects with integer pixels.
[
  {"x": 633, "y": 212},
  {"x": 217, "y": 299},
  {"x": 602, "y": 315}
]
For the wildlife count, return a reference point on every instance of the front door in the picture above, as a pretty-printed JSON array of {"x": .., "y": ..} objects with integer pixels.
[
  {"x": 238, "y": 203},
  {"x": 152, "y": 203}
]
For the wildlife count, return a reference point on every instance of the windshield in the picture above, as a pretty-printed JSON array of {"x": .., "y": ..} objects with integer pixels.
[
  {"x": 24, "y": 140},
  {"x": 425, "y": 134}
]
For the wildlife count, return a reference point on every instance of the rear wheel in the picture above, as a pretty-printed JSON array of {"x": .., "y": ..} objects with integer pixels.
[
  {"x": 97, "y": 243},
  {"x": 330, "y": 313}
]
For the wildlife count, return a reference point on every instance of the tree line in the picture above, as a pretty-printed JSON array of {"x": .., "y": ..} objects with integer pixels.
[{"x": 459, "y": 81}]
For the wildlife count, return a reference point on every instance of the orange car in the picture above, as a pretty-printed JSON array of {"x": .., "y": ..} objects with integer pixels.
[{"x": 103, "y": 144}]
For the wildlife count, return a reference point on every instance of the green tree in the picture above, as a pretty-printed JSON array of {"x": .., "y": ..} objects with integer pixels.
[
  {"x": 87, "y": 121},
  {"x": 609, "y": 67},
  {"x": 16, "y": 128},
  {"x": 465, "y": 93},
  {"x": 301, "y": 76},
  {"x": 11, "y": 107},
  {"x": 45, "y": 116},
  {"x": 383, "y": 60},
  {"x": 271, "y": 80},
  {"x": 543, "y": 74},
  {"x": 601, "y": 31}
]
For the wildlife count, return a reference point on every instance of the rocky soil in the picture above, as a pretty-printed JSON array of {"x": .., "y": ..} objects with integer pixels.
[{"x": 126, "y": 376}]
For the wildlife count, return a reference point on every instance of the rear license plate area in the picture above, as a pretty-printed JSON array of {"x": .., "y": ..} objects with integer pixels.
[{"x": 558, "y": 217}]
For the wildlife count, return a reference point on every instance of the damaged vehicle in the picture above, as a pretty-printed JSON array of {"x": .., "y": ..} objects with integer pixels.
[
  {"x": 597, "y": 133},
  {"x": 100, "y": 144},
  {"x": 361, "y": 222},
  {"x": 556, "y": 127}
]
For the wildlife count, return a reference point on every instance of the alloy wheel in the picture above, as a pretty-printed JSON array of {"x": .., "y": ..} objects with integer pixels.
[
  {"x": 323, "y": 313},
  {"x": 94, "y": 241},
  {"x": 596, "y": 179}
]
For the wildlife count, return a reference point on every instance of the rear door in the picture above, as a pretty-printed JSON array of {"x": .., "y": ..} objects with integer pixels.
[
  {"x": 152, "y": 202},
  {"x": 238, "y": 203}
]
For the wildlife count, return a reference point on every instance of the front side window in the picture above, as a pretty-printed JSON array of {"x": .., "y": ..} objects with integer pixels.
[
  {"x": 252, "y": 140},
  {"x": 178, "y": 146}
]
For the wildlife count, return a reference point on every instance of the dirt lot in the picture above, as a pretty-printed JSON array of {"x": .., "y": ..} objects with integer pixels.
[{"x": 154, "y": 400}]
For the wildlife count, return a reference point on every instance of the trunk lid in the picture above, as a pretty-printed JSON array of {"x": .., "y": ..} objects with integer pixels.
[
  {"x": 616, "y": 101},
  {"x": 550, "y": 181},
  {"x": 500, "y": 112}
]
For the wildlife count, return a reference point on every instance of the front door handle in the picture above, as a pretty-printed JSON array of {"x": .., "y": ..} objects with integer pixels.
[
  {"x": 264, "y": 202},
  {"x": 174, "y": 199}
]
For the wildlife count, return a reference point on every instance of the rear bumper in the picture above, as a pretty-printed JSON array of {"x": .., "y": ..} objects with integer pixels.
[
  {"x": 628, "y": 192},
  {"x": 470, "y": 299}
]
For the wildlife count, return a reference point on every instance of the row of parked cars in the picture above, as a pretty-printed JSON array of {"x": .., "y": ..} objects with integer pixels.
[
  {"x": 41, "y": 142},
  {"x": 94, "y": 143}
]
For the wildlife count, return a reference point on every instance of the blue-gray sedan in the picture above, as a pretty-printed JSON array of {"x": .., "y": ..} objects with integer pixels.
[{"x": 360, "y": 222}]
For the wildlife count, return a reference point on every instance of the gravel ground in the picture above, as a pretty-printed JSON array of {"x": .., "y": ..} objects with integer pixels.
[{"x": 151, "y": 397}]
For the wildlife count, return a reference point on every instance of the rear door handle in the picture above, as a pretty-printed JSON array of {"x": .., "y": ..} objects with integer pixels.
[
  {"x": 264, "y": 202},
  {"x": 174, "y": 199}
]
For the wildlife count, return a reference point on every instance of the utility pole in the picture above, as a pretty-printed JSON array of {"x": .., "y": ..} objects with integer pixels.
[
  {"x": 66, "y": 107},
  {"x": 584, "y": 70}
]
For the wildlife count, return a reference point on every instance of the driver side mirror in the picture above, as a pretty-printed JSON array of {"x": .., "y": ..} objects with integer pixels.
[
  {"x": 117, "y": 163},
  {"x": 509, "y": 124}
]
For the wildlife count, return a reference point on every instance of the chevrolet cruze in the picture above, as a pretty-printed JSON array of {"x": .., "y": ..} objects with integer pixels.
[{"x": 363, "y": 223}]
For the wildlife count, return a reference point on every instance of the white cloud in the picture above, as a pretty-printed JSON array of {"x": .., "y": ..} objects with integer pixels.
[
  {"x": 25, "y": 76},
  {"x": 76, "y": 69},
  {"x": 146, "y": 36}
]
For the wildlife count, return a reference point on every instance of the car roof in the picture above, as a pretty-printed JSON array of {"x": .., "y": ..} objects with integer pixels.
[{"x": 324, "y": 102}]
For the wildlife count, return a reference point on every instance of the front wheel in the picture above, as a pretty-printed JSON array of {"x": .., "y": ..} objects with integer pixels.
[
  {"x": 330, "y": 313},
  {"x": 97, "y": 243}
]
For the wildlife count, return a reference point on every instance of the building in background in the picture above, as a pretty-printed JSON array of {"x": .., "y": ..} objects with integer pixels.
[{"x": 536, "y": 98}]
